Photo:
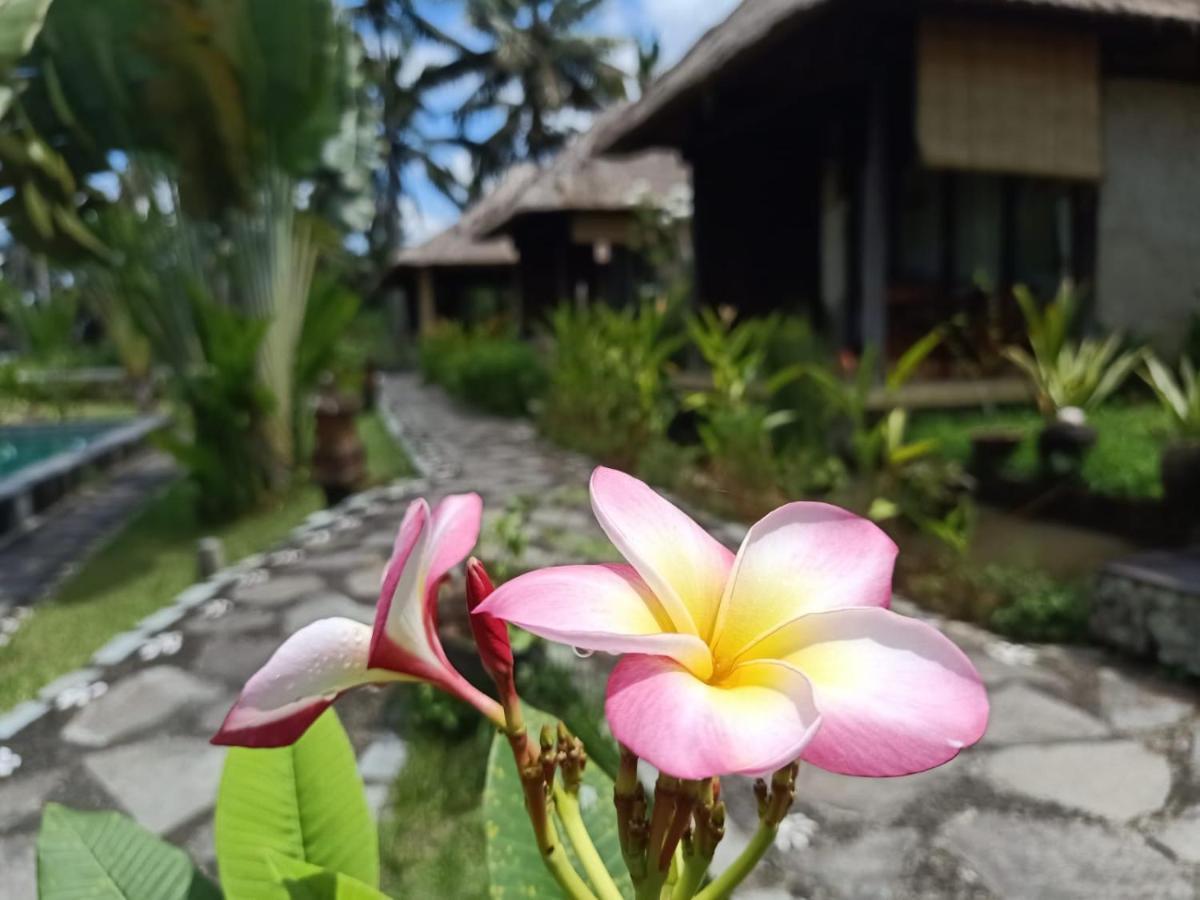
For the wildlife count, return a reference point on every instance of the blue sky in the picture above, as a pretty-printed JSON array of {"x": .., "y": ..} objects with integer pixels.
[{"x": 677, "y": 23}]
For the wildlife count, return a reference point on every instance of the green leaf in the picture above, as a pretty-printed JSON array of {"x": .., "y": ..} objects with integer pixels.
[
  {"x": 106, "y": 856},
  {"x": 304, "y": 881},
  {"x": 305, "y": 802},
  {"x": 515, "y": 867},
  {"x": 20, "y": 22}
]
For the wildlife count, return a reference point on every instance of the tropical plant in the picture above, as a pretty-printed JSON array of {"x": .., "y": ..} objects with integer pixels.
[
  {"x": 20, "y": 22},
  {"x": 394, "y": 31},
  {"x": 536, "y": 66},
  {"x": 736, "y": 417},
  {"x": 45, "y": 329},
  {"x": 877, "y": 443},
  {"x": 607, "y": 391},
  {"x": 1179, "y": 397},
  {"x": 1065, "y": 372}
]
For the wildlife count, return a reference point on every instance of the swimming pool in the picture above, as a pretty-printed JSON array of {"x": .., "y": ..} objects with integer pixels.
[
  {"x": 25, "y": 445},
  {"x": 40, "y": 464}
]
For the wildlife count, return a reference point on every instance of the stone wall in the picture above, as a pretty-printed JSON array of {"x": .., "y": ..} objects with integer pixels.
[
  {"x": 1148, "y": 257},
  {"x": 1147, "y": 616}
]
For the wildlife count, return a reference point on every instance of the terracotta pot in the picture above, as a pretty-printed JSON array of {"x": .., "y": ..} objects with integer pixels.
[{"x": 339, "y": 458}]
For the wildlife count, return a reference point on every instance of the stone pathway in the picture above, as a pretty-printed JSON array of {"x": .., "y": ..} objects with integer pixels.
[
  {"x": 36, "y": 563},
  {"x": 1087, "y": 785}
]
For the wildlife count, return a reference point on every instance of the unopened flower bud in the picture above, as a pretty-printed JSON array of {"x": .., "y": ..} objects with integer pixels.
[{"x": 491, "y": 634}]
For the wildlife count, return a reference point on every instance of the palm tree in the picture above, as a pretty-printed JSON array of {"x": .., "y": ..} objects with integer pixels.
[
  {"x": 392, "y": 30},
  {"x": 536, "y": 66}
]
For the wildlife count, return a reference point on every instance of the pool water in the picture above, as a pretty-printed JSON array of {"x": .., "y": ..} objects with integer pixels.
[{"x": 24, "y": 445}]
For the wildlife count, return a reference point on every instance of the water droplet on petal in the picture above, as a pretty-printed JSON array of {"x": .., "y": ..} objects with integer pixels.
[{"x": 582, "y": 653}]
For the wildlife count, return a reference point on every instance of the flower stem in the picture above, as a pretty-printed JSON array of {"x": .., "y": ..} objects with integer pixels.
[
  {"x": 566, "y": 804},
  {"x": 774, "y": 801},
  {"x": 722, "y": 886},
  {"x": 537, "y": 805}
]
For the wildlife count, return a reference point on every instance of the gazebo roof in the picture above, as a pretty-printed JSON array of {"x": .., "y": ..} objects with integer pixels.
[
  {"x": 579, "y": 179},
  {"x": 464, "y": 243}
]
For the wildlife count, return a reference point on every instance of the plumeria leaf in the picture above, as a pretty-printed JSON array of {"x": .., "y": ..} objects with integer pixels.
[
  {"x": 107, "y": 856},
  {"x": 304, "y": 881},
  {"x": 515, "y": 866},
  {"x": 304, "y": 802}
]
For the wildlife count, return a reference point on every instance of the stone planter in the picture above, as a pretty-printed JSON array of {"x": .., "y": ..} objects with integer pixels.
[
  {"x": 1062, "y": 447},
  {"x": 1181, "y": 478},
  {"x": 990, "y": 450},
  {"x": 1149, "y": 606}
]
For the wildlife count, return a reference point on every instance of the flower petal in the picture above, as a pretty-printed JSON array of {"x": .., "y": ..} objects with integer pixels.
[
  {"x": 758, "y": 719},
  {"x": 682, "y": 563},
  {"x": 606, "y": 607},
  {"x": 308, "y": 671},
  {"x": 427, "y": 546},
  {"x": 456, "y": 521},
  {"x": 400, "y": 638},
  {"x": 896, "y": 696},
  {"x": 802, "y": 558}
]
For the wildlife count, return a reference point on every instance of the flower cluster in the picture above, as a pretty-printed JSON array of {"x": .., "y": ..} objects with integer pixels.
[{"x": 743, "y": 663}]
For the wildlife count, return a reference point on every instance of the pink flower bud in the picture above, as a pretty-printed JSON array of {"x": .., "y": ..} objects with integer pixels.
[{"x": 491, "y": 634}]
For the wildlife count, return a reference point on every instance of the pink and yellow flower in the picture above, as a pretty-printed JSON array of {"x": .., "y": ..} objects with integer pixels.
[
  {"x": 742, "y": 664},
  {"x": 323, "y": 660}
]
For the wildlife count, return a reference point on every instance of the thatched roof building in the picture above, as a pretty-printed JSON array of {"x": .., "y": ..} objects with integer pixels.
[
  {"x": 555, "y": 231},
  {"x": 885, "y": 164}
]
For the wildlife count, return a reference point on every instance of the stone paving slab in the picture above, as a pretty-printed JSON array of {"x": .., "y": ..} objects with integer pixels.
[{"x": 1087, "y": 785}]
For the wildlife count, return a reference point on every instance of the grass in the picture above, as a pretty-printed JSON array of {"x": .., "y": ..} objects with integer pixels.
[
  {"x": 1124, "y": 461},
  {"x": 17, "y": 412},
  {"x": 386, "y": 460},
  {"x": 149, "y": 562},
  {"x": 433, "y": 845}
]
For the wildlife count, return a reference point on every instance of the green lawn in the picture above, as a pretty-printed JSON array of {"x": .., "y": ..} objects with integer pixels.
[
  {"x": 1124, "y": 461},
  {"x": 433, "y": 843},
  {"x": 148, "y": 563}
]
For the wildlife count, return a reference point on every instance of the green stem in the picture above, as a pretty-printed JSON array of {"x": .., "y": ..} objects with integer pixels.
[
  {"x": 556, "y": 860},
  {"x": 722, "y": 886},
  {"x": 566, "y": 804},
  {"x": 690, "y": 877}
]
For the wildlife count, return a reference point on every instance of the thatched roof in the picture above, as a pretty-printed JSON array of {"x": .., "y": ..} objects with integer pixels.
[
  {"x": 756, "y": 22},
  {"x": 579, "y": 180},
  {"x": 464, "y": 243}
]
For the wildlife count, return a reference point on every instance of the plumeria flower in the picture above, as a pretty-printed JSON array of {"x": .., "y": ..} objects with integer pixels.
[
  {"x": 329, "y": 657},
  {"x": 740, "y": 665}
]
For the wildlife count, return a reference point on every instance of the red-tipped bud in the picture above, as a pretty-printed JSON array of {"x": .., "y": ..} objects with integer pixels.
[{"x": 491, "y": 634}]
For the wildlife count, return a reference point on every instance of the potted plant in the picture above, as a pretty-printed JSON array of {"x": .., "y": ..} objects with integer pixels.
[
  {"x": 1180, "y": 399},
  {"x": 1070, "y": 377}
]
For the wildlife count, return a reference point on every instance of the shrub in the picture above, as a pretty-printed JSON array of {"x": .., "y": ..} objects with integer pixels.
[
  {"x": 607, "y": 393},
  {"x": 1030, "y": 605},
  {"x": 487, "y": 368}
]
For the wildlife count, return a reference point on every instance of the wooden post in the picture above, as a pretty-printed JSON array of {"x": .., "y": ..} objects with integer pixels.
[
  {"x": 426, "y": 305},
  {"x": 873, "y": 222}
]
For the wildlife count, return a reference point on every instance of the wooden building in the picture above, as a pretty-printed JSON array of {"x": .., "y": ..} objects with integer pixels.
[
  {"x": 575, "y": 224},
  {"x": 458, "y": 271},
  {"x": 885, "y": 164}
]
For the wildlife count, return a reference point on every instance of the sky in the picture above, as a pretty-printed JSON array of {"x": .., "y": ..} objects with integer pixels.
[{"x": 676, "y": 23}]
